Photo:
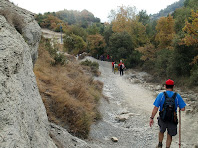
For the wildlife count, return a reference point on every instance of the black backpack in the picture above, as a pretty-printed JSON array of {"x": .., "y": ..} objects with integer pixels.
[{"x": 168, "y": 112}]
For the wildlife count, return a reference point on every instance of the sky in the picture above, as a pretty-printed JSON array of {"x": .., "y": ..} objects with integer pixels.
[{"x": 100, "y": 8}]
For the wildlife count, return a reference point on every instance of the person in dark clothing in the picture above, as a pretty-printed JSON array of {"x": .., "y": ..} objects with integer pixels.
[
  {"x": 113, "y": 66},
  {"x": 121, "y": 67}
]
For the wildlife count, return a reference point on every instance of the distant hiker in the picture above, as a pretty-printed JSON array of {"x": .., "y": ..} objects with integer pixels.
[
  {"x": 113, "y": 66},
  {"x": 108, "y": 57},
  {"x": 121, "y": 67},
  {"x": 102, "y": 58},
  {"x": 168, "y": 102}
]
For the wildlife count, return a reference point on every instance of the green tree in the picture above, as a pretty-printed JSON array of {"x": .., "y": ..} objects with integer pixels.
[
  {"x": 77, "y": 30},
  {"x": 180, "y": 15},
  {"x": 143, "y": 17},
  {"x": 107, "y": 33},
  {"x": 93, "y": 29},
  {"x": 74, "y": 44},
  {"x": 120, "y": 45}
]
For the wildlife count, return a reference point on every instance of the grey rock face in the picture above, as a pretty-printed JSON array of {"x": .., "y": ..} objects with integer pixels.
[
  {"x": 23, "y": 119},
  {"x": 24, "y": 23},
  {"x": 65, "y": 140}
]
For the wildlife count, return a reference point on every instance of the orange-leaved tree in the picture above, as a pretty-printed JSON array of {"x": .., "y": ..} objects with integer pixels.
[
  {"x": 96, "y": 44},
  {"x": 53, "y": 23},
  {"x": 191, "y": 30},
  {"x": 148, "y": 52},
  {"x": 165, "y": 32},
  {"x": 127, "y": 21},
  {"x": 191, "y": 33},
  {"x": 122, "y": 21}
]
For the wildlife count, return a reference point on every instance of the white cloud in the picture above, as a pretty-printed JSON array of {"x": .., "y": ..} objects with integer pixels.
[{"x": 100, "y": 8}]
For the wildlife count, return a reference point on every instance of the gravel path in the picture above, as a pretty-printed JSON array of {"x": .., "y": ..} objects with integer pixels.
[
  {"x": 56, "y": 36},
  {"x": 131, "y": 98},
  {"x": 131, "y": 101}
]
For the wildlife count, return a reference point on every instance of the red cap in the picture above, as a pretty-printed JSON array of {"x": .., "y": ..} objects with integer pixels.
[{"x": 169, "y": 82}]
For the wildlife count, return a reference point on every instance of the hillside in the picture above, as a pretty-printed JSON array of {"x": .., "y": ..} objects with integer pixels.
[{"x": 168, "y": 10}]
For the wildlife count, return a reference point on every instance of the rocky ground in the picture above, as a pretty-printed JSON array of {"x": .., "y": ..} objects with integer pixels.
[{"x": 126, "y": 110}]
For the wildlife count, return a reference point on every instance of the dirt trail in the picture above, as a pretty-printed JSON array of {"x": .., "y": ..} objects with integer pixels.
[
  {"x": 135, "y": 102},
  {"x": 131, "y": 99},
  {"x": 52, "y": 35}
]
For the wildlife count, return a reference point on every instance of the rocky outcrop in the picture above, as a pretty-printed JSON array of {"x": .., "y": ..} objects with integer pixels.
[
  {"x": 23, "y": 21},
  {"x": 23, "y": 119},
  {"x": 65, "y": 140}
]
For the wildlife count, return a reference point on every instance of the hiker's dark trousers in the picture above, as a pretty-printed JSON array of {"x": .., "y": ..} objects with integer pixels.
[{"x": 121, "y": 71}]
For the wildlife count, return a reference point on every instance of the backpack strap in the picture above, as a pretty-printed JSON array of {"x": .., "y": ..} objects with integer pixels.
[
  {"x": 165, "y": 95},
  {"x": 174, "y": 95}
]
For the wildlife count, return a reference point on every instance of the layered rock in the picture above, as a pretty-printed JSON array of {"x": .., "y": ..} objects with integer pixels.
[{"x": 23, "y": 119}]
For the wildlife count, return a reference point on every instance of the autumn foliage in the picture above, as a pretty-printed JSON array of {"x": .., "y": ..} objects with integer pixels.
[
  {"x": 191, "y": 30},
  {"x": 165, "y": 31},
  {"x": 96, "y": 44}
]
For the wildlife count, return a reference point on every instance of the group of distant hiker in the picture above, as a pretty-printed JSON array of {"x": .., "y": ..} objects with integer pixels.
[
  {"x": 105, "y": 58},
  {"x": 118, "y": 67}
]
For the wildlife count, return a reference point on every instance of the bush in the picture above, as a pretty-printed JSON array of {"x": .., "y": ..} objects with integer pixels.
[
  {"x": 194, "y": 76},
  {"x": 74, "y": 44},
  {"x": 182, "y": 57},
  {"x": 93, "y": 65},
  {"x": 59, "y": 58}
]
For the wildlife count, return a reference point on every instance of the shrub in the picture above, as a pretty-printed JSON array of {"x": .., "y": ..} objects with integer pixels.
[
  {"x": 59, "y": 58},
  {"x": 194, "y": 76},
  {"x": 74, "y": 44},
  {"x": 93, "y": 65},
  {"x": 182, "y": 57}
]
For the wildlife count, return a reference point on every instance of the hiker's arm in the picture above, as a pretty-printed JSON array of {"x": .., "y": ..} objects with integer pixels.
[
  {"x": 155, "y": 109},
  {"x": 154, "y": 112}
]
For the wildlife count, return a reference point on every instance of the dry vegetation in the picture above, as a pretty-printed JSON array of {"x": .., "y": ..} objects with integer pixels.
[{"x": 70, "y": 97}]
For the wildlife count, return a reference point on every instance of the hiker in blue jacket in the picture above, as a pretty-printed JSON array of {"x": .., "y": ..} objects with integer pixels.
[{"x": 168, "y": 102}]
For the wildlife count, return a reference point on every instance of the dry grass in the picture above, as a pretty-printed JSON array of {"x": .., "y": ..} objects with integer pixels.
[{"x": 70, "y": 97}]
